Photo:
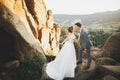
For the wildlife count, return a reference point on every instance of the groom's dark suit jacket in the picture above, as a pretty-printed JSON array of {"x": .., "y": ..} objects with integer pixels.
[{"x": 84, "y": 39}]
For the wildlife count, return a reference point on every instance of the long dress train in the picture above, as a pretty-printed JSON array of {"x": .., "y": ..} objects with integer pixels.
[{"x": 64, "y": 63}]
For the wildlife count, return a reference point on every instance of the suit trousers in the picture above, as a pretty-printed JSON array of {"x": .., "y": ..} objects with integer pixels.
[{"x": 80, "y": 52}]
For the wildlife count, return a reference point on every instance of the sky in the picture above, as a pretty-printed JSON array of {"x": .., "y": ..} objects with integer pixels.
[{"x": 81, "y": 6}]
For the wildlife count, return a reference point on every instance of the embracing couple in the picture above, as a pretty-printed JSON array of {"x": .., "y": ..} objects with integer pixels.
[{"x": 65, "y": 62}]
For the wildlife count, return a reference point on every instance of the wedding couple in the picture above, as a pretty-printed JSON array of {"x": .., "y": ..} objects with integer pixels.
[{"x": 65, "y": 62}]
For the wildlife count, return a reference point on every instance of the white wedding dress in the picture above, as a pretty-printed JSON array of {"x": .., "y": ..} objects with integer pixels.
[{"x": 64, "y": 63}]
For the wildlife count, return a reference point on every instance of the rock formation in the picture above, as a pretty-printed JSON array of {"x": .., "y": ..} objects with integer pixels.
[
  {"x": 24, "y": 32},
  {"x": 25, "y": 24},
  {"x": 111, "y": 48},
  {"x": 105, "y": 61},
  {"x": 49, "y": 38}
]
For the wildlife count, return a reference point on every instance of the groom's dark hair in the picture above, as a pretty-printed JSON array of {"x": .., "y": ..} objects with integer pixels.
[{"x": 78, "y": 24}]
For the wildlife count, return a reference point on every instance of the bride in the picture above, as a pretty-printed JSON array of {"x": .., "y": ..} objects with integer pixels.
[{"x": 65, "y": 62}]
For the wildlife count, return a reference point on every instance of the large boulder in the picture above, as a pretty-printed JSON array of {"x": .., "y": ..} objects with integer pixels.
[
  {"x": 17, "y": 43},
  {"x": 102, "y": 72},
  {"x": 17, "y": 40},
  {"x": 81, "y": 74},
  {"x": 105, "y": 61},
  {"x": 20, "y": 22},
  {"x": 111, "y": 48},
  {"x": 23, "y": 24},
  {"x": 25, "y": 31},
  {"x": 109, "y": 77},
  {"x": 34, "y": 17}
]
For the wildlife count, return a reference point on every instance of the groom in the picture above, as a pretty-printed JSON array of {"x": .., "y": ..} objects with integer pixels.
[{"x": 85, "y": 45}]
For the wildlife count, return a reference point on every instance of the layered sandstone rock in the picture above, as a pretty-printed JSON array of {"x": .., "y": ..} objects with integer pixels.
[
  {"x": 49, "y": 38},
  {"x": 17, "y": 40},
  {"x": 24, "y": 32},
  {"x": 29, "y": 20},
  {"x": 105, "y": 61},
  {"x": 111, "y": 48}
]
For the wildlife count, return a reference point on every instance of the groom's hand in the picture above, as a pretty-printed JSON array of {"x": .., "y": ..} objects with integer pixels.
[{"x": 78, "y": 34}]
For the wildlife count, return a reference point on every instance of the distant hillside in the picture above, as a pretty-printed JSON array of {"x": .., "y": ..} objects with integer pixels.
[{"x": 96, "y": 18}]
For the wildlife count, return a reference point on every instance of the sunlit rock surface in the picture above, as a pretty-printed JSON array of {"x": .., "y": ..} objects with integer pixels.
[{"x": 24, "y": 32}]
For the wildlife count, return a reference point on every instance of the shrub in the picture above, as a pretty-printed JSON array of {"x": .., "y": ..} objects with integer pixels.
[
  {"x": 98, "y": 37},
  {"x": 31, "y": 69}
]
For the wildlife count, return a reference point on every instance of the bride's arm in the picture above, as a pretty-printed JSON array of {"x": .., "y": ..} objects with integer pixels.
[
  {"x": 77, "y": 39},
  {"x": 66, "y": 39}
]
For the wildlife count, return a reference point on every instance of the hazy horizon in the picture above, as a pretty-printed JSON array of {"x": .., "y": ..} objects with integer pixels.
[
  {"x": 87, "y": 14},
  {"x": 81, "y": 7}
]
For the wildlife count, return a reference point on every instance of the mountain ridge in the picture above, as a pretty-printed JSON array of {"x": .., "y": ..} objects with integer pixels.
[{"x": 99, "y": 17}]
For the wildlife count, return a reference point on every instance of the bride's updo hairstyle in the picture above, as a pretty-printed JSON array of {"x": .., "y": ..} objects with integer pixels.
[{"x": 70, "y": 29}]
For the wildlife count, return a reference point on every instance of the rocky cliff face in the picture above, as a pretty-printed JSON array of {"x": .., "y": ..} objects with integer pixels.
[
  {"x": 26, "y": 29},
  {"x": 37, "y": 22}
]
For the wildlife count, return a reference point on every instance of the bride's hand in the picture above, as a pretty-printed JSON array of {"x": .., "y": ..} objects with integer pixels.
[{"x": 78, "y": 34}]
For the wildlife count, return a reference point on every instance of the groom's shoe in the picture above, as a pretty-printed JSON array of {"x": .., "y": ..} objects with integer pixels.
[{"x": 79, "y": 62}]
